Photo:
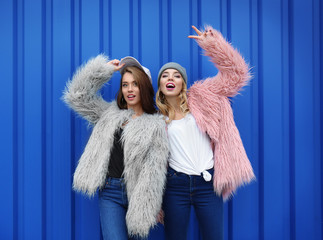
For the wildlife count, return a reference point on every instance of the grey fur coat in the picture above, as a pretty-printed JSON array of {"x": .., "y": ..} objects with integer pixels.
[{"x": 144, "y": 140}]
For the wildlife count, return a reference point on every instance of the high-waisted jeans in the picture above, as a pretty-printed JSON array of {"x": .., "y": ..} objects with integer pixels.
[
  {"x": 184, "y": 191},
  {"x": 113, "y": 204}
]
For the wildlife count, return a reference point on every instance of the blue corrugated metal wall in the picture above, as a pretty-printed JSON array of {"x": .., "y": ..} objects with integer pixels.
[{"x": 279, "y": 116}]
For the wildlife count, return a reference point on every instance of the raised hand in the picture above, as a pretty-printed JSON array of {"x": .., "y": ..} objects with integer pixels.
[
  {"x": 200, "y": 35},
  {"x": 115, "y": 63}
]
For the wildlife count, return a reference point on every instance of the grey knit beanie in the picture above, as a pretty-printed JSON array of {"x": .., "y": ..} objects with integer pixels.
[{"x": 173, "y": 65}]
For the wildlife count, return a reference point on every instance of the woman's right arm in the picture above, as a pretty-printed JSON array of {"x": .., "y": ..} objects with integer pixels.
[
  {"x": 233, "y": 70},
  {"x": 81, "y": 94}
]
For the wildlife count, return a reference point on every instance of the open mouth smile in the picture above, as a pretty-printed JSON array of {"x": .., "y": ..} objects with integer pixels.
[
  {"x": 131, "y": 96},
  {"x": 170, "y": 86}
]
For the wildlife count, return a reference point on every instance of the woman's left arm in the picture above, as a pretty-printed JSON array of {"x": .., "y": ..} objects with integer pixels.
[{"x": 233, "y": 70}]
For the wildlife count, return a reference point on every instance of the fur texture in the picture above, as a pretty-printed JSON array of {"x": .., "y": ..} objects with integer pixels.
[
  {"x": 81, "y": 92},
  {"x": 144, "y": 140},
  {"x": 231, "y": 164}
]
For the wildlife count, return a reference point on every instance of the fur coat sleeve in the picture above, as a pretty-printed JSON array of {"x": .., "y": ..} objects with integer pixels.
[
  {"x": 81, "y": 92},
  {"x": 233, "y": 70},
  {"x": 231, "y": 164},
  {"x": 145, "y": 190}
]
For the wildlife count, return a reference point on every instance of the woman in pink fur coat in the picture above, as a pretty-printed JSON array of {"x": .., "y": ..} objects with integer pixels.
[{"x": 207, "y": 160}]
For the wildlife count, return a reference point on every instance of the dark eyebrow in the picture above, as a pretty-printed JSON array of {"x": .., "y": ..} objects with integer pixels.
[{"x": 123, "y": 81}]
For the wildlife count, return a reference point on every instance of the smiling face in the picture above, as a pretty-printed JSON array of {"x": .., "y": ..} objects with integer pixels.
[
  {"x": 130, "y": 90},
  {"x": 171, "y": 83}
]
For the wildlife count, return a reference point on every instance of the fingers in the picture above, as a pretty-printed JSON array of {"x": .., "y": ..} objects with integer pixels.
[
  {"x": 114, "y": 62},
  {"x": 201, "y": 35},
  {"x": 196, "y": 30},
  {"x": 194, "y": 37},
  {"x": 119, "y": 67}
]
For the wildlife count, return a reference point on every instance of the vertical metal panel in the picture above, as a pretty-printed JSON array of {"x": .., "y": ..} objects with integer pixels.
[
  {"x": 291, "y": 107},
  {"x": 8, "y": 133},
  {"x": 150, "y": 36},
  {"x": 244, "y": 205},
  {"x": 320, "y": 80},
  {"x": 46, "y": 110},
  {"x": 306, "y": 170},
  {"x": 107, "y": 35},
  {"x": 32, "y": 179},
  {"x": 279, "y": 115},
  {"x": 47, "y": 103},
  {"x": 59, "y": 168},
  {"x": 274, "y": 181},
  {"x": 259, "y": 84},
  {"x": 286, "y": 80}
]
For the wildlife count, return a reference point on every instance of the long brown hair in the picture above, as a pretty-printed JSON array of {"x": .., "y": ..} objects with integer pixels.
[{"x": 145, "y": 88}]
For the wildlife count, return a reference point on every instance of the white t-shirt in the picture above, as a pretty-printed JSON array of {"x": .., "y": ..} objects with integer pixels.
[{"x": 190, "y": 149}]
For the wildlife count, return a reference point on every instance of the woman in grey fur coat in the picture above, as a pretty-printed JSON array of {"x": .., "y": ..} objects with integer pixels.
[{"x": 126, "y": 154}]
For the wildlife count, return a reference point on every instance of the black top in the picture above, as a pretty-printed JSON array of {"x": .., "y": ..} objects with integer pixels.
[{"x": 116, "y": 163}]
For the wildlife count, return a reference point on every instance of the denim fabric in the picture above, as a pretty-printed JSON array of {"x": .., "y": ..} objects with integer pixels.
[
  {"x": 184, "y": 191},
  {"x": 113, "y": 204}
]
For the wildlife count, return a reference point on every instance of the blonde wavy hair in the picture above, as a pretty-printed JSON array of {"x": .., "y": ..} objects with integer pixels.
[{"x": 168, "y": 110}]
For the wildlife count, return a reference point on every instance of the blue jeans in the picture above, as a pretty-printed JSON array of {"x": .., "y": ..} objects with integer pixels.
[
  {"x": 113, "y": 204},
  {"x": 184, "y": 191}
]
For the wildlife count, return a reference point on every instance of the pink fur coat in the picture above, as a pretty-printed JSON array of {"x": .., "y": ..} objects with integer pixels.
[{"x": 215, "y": 117}]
